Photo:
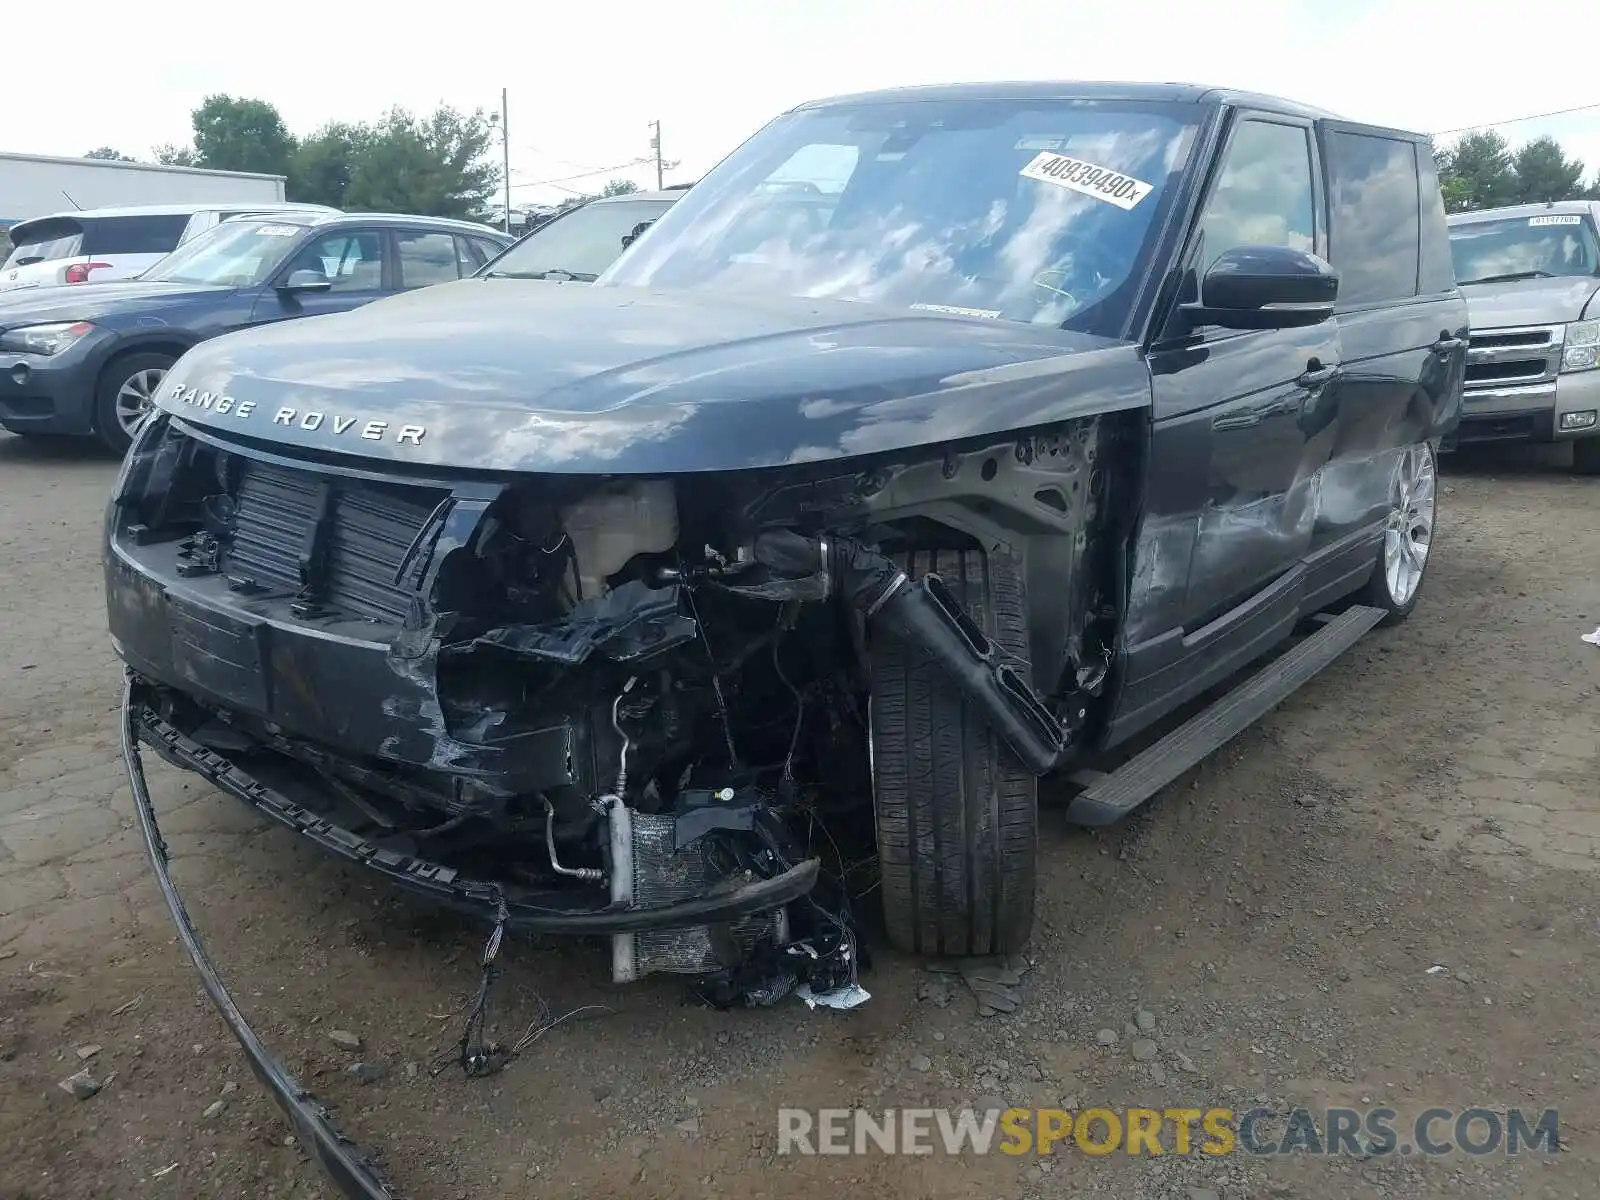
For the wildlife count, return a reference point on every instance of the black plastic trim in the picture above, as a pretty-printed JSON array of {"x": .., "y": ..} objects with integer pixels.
[{"x": 348, "y": 1167}]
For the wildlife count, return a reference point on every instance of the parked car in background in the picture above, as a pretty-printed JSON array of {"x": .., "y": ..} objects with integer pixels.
[
  {"x": 88, "y": 360},
  {"x": 105, "y": 244},
  {"x": 1531, "y": 275},
  {"x": 581, "y": 242}
]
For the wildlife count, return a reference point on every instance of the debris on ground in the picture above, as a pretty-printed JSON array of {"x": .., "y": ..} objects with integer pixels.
[
  {"x": 344, "y": 1039},
  {"x": 81, "y": 1086},
  {"x": 996, "y": 982}
]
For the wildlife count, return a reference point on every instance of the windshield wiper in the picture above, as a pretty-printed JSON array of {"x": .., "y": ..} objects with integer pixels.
[
  {"x": 551, "y": 273},
  {"x": 1509, "y": 277}
]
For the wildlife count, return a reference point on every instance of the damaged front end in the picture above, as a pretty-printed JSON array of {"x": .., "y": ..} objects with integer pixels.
[{"x": 625, "y": 707}]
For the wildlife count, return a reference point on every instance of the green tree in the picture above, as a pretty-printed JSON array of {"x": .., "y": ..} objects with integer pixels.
[
  {"x": 1477, "y": 172},
  {"x": 169, "y": 155},
  {"x": 241, "y": 135},
  {"x": 437, "y": 165},
  {"x": 324, "y": 164},
  {"x": 1482, "y": 171},
  {"x": 619, "y": 187},
  {"x": 110, "y": 155},
  {"x": 1544, "y": 173}
]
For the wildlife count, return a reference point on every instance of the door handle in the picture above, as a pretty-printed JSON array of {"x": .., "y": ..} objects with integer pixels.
[{"x": 1315, "y": 375}]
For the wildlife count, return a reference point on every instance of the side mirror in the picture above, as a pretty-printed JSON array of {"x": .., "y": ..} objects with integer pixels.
[
  {"x": 1265, "y": 287},
  {"x": 628, "y": 239},
  {"x": 306, "y": 280}
]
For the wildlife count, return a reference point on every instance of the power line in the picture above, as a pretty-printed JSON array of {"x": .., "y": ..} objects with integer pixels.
[
  {"x": 1560, "y": 112},
  {"x": 637, "y": 162},
  {"x": 566, "y": 162}
]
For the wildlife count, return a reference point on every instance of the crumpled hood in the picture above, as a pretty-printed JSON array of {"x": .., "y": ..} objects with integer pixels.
[
  {"x": 93, "y": 301},
  {"x": 524, "y": 375},
  {"x": 1530, "y": 301}
]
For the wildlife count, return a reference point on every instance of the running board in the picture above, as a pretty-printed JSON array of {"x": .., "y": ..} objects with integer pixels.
[{"x": 1110, "y": 797}]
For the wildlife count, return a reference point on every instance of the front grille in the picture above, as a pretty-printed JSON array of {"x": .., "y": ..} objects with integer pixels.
[
  {"x": 1500, "y": 372},
  {"x": 336, "y": 544},
  {"x": 1522, "y": 337},
  {"x": 1513, "y": 357}
]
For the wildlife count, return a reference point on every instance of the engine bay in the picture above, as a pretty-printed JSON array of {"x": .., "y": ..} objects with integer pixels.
[{"x": 600, "y": 697}]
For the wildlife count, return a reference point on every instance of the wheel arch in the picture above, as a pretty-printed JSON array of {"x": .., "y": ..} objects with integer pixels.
[{"x": 163, "y": 342}]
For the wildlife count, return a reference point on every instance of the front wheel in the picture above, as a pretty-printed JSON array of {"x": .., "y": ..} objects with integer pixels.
[
  {"x": 1407, "y": 535},
  {"x": 127, "y": 392},
  {"x": 957, "y": 815}
]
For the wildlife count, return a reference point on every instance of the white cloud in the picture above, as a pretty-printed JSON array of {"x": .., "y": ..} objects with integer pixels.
[{"x": 586, "y": 79}]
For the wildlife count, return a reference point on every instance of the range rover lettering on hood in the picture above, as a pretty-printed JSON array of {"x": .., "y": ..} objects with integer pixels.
[{"x": 373, "y": 430}]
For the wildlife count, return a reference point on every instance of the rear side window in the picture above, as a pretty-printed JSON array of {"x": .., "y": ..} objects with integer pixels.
[
  {"x": 1435, "y": 271},
  {"x": 482, "y": 248},
  {"x": 1373, "y": 196},
  {"x": 45, "y": 241},
  {"x": 427, "y": 258},
  {"x": 158, "y": 233}
]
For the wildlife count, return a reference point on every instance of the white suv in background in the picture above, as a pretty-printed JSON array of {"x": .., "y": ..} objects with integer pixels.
[{"x": 94, "y": 245}]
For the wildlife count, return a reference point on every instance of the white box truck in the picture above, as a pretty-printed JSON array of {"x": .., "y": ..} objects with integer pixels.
[
  {"x": 81, "y": 220},
  {"x": 34, "y": 185}
]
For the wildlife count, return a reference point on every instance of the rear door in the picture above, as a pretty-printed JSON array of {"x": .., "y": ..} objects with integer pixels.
[{"x": 1403, "y": 326}]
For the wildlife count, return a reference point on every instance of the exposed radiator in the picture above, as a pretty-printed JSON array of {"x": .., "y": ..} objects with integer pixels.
[
  {"x": 662, "y": 875},
  {"x": 364, "y": 538}
]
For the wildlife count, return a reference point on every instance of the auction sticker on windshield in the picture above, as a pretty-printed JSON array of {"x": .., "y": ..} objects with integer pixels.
[
  {"x": 1557, "y": 219},
  {"x": 1100, "y": 182},
  {"x": 277, "y": 230}
]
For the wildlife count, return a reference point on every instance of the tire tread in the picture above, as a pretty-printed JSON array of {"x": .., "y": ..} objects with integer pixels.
[{"x": 956, "y": 814}]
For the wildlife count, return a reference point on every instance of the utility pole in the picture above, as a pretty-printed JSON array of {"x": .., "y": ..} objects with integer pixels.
[
  {"x": 505, "y": 145},
  {"x": 655, "y": 144}
]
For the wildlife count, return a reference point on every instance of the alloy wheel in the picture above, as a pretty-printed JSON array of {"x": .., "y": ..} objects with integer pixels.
[
  {"x": 1408, "y": 533},
  {"x": 136, "y": 397}
]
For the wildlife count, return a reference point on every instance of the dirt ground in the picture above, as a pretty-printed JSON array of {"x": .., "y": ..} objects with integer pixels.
[{"x": 1429, "y": 801}]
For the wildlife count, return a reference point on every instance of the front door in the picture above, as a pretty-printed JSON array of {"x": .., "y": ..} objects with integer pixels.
[
  {"x": 1240, "y": 431},
  {"x": 356, "y": 262}
]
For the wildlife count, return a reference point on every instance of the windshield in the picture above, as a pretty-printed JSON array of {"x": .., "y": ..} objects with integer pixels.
[
  {"x": 1038, "y": 211},
  {"x": 1537, "y": 247},
  {"x": 582, "y": 243},
  {"x": 45, "y": 241},
  {"x": 237, "y": 253}
]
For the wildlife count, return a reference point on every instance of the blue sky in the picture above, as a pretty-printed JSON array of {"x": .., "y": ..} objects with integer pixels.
[{"x": 585, "y": 79}]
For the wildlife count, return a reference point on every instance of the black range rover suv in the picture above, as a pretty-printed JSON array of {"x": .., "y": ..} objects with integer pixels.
[{"x": 937, "y": 441}]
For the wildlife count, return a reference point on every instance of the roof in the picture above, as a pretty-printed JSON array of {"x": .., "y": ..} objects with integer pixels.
[
  {"x": 1521, "y": 210},
  {"x": 114, "y": 164},
  {"x": 665, "y": 196},
  {"x": 181, "y": 208},
  {"x": 1172, "y": 93},
  {"x": 443, "y": 223}
]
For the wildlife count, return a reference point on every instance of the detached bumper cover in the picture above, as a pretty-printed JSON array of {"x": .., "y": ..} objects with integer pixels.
[{"x": 346, "y": 1165}]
